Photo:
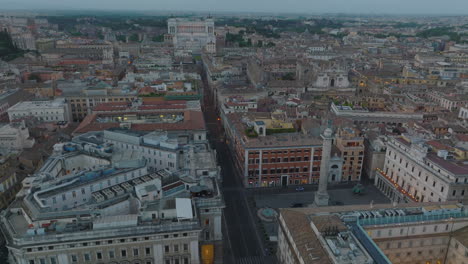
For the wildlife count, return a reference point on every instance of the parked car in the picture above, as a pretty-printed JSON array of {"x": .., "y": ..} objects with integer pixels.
[
  {"x": 359, "y": 189},
  {"x": 337, "y": 203},
  {"x": 300, "y": 189},
  {"x": 297, "y": 205}
]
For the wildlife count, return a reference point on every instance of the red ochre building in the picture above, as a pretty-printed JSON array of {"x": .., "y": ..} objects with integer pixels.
[{"x": 273, "y": 160}]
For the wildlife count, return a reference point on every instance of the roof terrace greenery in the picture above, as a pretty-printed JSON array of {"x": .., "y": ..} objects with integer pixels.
[
  {"x": 251, "y": 133},
  {"x": 152, "y": 95},
  {"x": 271, "y": 131}
]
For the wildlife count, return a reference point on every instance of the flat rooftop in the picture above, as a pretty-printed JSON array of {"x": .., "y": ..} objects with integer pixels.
[
  {"x": 334, "y": 234},
  {"x": 19, "y": 223},
  {"x": 144, "y": 106},
  {"x": 31, "y": 105},
  {"x": 283, "y": 140}
]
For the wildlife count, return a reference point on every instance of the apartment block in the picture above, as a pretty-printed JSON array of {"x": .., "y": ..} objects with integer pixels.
[
  {"x": 45, "y": 111},
  {"x": 96, "y": 201},
  {"x": 270, "y": 153},
  {"x": 427, "y": 233},
  {"x": 418, "y": 170},
  {"x": 351, "y": 145}
]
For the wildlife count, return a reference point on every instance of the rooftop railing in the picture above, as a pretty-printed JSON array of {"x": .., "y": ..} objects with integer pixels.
[
  {"x": 412, "y": 218},
  {"x": 100, "y": 234}
]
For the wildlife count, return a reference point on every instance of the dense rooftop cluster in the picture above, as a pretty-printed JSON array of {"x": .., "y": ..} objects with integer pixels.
[{"x": 119, "y": 135}]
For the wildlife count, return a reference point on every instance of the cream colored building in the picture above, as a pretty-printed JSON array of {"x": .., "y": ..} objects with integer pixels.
[
  {"x": 45, "y": 111},
  {"x": 83, "y": 101},
  {"x": 458, "y": 248},
  {"x": 191, "y": 34},
  {"x": 420, "y": 241},
  {"x": 430, "y": 233},
  {"x": 93, "y": 203},
  {"x": 15, "y": 137},
  {"x": 413, "y": 173}
]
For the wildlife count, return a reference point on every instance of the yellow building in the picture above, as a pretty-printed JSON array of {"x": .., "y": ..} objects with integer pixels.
[{"x": 351, "y": 145}]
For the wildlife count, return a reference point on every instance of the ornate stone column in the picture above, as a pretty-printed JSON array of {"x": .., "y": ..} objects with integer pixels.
[{"x": 322, "y": 197}]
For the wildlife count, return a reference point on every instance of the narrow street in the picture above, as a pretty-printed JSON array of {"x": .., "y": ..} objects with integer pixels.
[{"x": 242, "y": 243}]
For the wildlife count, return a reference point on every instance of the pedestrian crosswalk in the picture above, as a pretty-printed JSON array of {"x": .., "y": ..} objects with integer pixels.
[
  {"x": 256, "y": 260},
  {"x": 250, "y": 260}
]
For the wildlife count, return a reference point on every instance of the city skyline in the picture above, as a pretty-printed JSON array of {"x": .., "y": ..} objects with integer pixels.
[
  {"x": 233, "y": 134},
  {"x": 417, "y": 7}
]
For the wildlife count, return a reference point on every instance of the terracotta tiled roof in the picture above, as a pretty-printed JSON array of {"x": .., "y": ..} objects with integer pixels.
[
  {"x": 438, "y": 145},
  {"x": 462, "y": 236},
  {"x": 404, "y": 141},
  {"x": 462, "y": 137},
  {"x": 146, "y": 90},
  {"x": 193, "y": 120},
  {"x": 451, "y": 166},
  {"x": 304, "y": 237},
  {"x": 236, "y": 103}
]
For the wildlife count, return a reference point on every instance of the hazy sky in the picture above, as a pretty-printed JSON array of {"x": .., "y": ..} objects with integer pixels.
[{"x": 303, "y": 6}]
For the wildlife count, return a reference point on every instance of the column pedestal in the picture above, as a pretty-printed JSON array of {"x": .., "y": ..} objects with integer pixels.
[{"x": 321, "y": 199}]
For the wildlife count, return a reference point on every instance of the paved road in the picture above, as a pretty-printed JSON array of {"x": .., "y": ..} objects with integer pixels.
[
  {"x": 344, "y": 195},
  {"x": 3, "y": 250},
  {"x": 251, "y": 260},
  {"x": 243, "y": 236},
  {"x": 242, "y": 241}
]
